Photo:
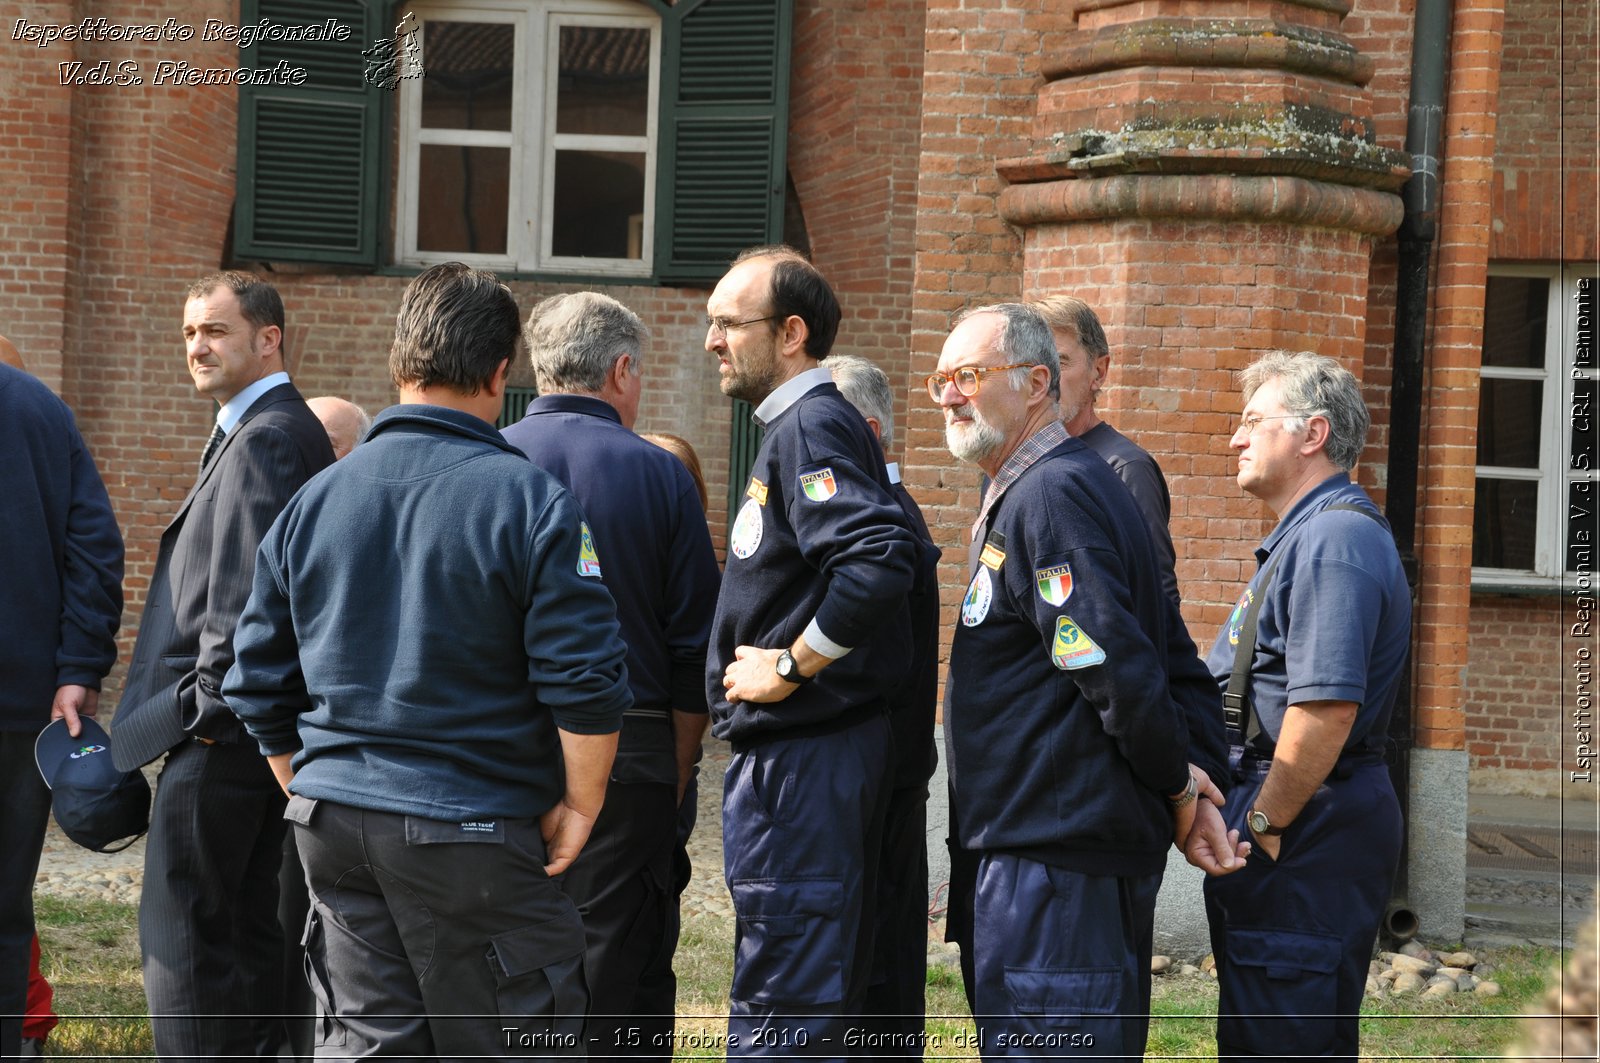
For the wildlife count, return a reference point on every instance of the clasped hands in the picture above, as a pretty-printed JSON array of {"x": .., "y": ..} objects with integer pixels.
[{"x": 1200, "y": 833}]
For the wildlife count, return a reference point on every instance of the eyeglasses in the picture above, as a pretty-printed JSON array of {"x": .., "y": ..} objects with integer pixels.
[
  {"x": 1250, "y": 424},
  {"x": 721, "y": 325},
  {"x": 967, "y": 378}
]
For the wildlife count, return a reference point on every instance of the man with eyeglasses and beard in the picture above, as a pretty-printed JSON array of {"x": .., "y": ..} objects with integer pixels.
[
  {"x": 811, "y": 635},
  {"x": 1069, "y": 758}
]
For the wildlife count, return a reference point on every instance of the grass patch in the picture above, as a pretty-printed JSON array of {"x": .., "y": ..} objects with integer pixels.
[{"x": 91, "y": 956}]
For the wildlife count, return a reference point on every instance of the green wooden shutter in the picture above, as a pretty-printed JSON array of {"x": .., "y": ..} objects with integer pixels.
[
  {"x": 309, "y": 183},
  {"x": 724, "y": 133},
  {"x": 745, "y": 441},
  {"x": 515, "y": 405}
]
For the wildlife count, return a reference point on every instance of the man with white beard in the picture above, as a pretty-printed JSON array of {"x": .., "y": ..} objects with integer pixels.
[{"x": 1069, "y": 753}]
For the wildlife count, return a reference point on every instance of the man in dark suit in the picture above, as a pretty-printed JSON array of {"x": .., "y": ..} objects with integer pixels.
[{"x": 208, "y": 928}]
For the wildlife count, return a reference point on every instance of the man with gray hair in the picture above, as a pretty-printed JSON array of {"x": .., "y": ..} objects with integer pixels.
[
  {"x": 1070, "y": 758},
  {"x": 1311, "y": 660},
  {"x": 1085, "y": 361},
  {"x": 644, "y": 511},
  {"x": 895, "y": 1002}
]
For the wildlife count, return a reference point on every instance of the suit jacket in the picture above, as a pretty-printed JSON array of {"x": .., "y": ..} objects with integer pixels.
[{"x": 202, "y": 579}]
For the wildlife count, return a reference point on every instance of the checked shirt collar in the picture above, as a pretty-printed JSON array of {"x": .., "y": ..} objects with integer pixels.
[{"x": 1032, "y": 449}]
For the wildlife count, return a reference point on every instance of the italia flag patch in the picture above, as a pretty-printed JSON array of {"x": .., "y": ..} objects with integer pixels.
[
  {"x": 819, "y": 486},
  {"x": 1072, "y": 648},
  {"x": 1055, "y": 584},
  {"x": 588, "y": 560}
]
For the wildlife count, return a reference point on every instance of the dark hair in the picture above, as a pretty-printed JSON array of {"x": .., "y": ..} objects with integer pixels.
[
  {"x": 1072, "y": 315},
  {"x": 259, "y": 302},
  {"x": 455, "y": 326},
  {"x": 799, "y": 289}
]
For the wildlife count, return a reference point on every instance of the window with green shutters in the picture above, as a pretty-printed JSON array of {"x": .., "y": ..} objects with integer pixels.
[{"x": 668, "y": 194}]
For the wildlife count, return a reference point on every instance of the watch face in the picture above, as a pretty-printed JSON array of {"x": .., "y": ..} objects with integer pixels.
[
  {"x": 786, "y": 666},
  {"x": 1259, "y": 822}
]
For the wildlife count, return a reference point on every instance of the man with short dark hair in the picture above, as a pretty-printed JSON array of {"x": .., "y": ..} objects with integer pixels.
[
  {"x": 431, "y": 666},
  {"x": 643, "y": 509},
  {"x": 208, "y": 915},
  {"x": 1067, "y": 749},
  {"x": 1312, "y": 660},
  {"x": 60, "y": 607},
  {"x": 896, "y": 997},
  {"x": 810, "y": 641}
]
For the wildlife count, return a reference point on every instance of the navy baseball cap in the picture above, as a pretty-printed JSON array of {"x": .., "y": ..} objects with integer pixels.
[{"x": 95, "y": 804}]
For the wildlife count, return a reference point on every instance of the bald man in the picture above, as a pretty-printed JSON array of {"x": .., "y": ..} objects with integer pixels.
[
  {"x": 10, "y": 355},
  {"x": 346, "y": 422}
]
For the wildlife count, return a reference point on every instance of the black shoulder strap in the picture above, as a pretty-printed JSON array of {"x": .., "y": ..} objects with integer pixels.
[{"x": 1237, "y": 710}]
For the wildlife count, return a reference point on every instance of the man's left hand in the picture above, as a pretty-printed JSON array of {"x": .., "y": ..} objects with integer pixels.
[
  {"x": 753, "y": 676},
  {"x": 71, "y": 702}
]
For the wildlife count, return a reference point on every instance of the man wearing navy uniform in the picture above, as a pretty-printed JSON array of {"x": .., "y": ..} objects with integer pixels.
[
  {"x": 642, "y": 507},
  {"x": 896, "y": 998},
  {"x": 1331, "y": 618},
  {"x": 1068, "y": 750},
  {"x": 810, "y": 640}
]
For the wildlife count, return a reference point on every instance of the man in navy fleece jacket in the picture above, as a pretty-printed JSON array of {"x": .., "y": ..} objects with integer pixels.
[{"x": 811, "y": 635}]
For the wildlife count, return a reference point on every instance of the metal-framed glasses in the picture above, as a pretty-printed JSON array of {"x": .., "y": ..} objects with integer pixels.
[
  {"x": 1251, "y": 423},
  {"x": 967, "y": 378},
  {"x": 721, "y": 325}
]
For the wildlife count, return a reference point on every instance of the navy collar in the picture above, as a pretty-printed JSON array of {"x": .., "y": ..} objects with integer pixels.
[
  {"x": 1314, "y": 500},
  {"x": 565, "y": 403},
  {"x": 441, "y": 418}
]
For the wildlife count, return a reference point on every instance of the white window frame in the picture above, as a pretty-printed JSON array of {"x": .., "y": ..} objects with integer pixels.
[
  {"x": 1555, "y": 447},
  {"x": 532, "y": 139}
]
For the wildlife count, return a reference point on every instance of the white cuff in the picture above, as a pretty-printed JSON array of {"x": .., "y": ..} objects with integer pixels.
[{"x": 822, "y": 643}]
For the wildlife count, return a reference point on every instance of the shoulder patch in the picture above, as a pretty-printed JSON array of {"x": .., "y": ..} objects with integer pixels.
[
  {"x": 819, "y": 486},
  {"x": 975, "y": 606},
  {"x": 588, "y": 560},
  {"x": 1055, "y": 584},
  {"x": 757, "y": 491},
  {"x": 992, "y": 556},
  {"x": 1236, "y": 618},
  {"x": 747, "y": 528},
  {"x": 1072, "y": 647}
]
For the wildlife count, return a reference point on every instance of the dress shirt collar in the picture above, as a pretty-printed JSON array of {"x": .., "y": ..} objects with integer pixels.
[
  {"x": 788, "y": 393},
  {"x": 228, "y": 416},
  {"x": 1032, "y": 449}
]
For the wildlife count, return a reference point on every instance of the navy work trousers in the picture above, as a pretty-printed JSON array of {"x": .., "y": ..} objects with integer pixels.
[
  {"x": 1293, "y": 937},
  {"x": 801, "y": 821}
]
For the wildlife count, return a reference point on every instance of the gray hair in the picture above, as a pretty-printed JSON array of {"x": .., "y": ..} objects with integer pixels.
[
  {"x": 1313, "y": 385},
  {"x": 1074, "y": 316},
  {"x": 1026, "y": 337},
  {"x": 574, "y": 340},
  {"x": 866, "y": 387}
]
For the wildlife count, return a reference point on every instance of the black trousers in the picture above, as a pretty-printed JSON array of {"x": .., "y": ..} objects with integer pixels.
[
  {"x": 24, "y": 813},
  {"x": 436, "y": 939},
  {"x": 622, "y": 885},
  {"x": 209, "y": 936}
]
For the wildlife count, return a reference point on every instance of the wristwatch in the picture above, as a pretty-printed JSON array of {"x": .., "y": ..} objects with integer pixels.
[
  {"x": 1185, "y": 797},
  {"x": 1261, "y": 825},
  {"x": 789, "y": 671}
]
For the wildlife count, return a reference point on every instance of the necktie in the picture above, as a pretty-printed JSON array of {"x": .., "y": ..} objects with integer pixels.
[{"x": 215, "y": 441}]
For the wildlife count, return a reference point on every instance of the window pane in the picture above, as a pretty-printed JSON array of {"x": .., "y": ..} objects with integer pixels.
[
  {"x": 1504, "y": 524},
  {"x": 1514, "y": 311},
  {"x": 1583, "y": 527},
  {"x": 468, "y": 82},
  {"x": 599, "y": 205},
  {"x": 463, "y": 197},
  {"x": 1508, "y": 423},
  {"x": 604, "y": 85}
]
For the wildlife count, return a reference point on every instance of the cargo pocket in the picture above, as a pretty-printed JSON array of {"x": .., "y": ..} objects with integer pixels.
[
  {"x": 538, "y": 975},
  {"x": 330, "y": 1031},
  {"x": 1283, "y": 985},
  {"x": 1060, "y": 998},
  {"x": 791, "y": 949}
]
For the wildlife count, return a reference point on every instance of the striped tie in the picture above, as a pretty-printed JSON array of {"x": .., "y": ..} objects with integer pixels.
[{"x": 215, "y": 441}]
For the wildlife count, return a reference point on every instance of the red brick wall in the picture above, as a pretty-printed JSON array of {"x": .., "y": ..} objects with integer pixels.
[
  {"x": 1516, "y": 720},
  {"x": 1547, "y": 174}
]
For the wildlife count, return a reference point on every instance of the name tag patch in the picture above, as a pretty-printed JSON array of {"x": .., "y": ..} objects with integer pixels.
[
  {"x": 992, "y": 557},
  {"x": 757, "y": 490},
  {"x": 1072, "y": 647},
  {"x": 819, "y": 486},
  {"x": 1055, "y": 584},
  {"x": 588, "y": 560},
  {"x": 980, "y": 592}
]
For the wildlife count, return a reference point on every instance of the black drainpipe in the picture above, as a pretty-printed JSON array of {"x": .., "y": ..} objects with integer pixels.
[{"x": 1425, "y": 120}]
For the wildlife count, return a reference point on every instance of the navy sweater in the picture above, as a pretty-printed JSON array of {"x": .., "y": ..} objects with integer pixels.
[
  {"x": 819, "y": 536},
  {"x": 659, "y": 564},
  {"x": 424, "y": 617},
  {"x": 61, "y": 595},
  {"x": 1063, "y": 736}
]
